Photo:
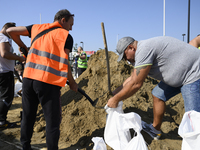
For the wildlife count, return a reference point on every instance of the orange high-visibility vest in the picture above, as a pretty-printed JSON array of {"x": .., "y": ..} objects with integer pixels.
[{"x": 47, "y": 60}]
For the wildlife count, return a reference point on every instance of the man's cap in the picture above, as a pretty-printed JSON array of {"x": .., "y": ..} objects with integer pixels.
[{"x": 122, "y": 44}]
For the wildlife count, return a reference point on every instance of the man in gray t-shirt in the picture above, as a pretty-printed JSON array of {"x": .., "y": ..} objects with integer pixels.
[{"x": 173, "y": 62}]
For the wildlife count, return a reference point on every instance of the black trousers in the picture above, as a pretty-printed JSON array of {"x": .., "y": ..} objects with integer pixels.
[
  {"x": 81, "y": 70},
  {"x": 35, "y": 92},
  {"x": 76, "y": 70},
  {"x": 6, "y": 93}
]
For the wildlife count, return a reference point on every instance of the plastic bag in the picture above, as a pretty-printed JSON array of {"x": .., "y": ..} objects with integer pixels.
[
  {"x": 99, "y": 143},
  {"x": 114, "y": 136},
  {"x": 18, "y": 87},
  {"x": 117, "y": 134},
  {"x": 189, "y": 130},
  {"x": 133, "y": 120}
]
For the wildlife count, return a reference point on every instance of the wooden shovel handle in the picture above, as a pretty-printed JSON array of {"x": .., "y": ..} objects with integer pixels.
[{"x": 107, "y": 58}]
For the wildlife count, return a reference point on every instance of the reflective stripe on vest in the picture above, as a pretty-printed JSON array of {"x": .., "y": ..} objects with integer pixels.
[
  {"x": 46, "y": 61},
  {"x": 49, "y": 55},
  {"x": 46, "y": 68},
  {"x": 82, "y": 63}
]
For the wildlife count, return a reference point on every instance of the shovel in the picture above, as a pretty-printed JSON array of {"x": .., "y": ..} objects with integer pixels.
[
  {"x": 93, "y": 103},
  {"x": 107, "y": 58}
]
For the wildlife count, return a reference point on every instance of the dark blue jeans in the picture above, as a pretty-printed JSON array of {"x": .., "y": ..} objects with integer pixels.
[
  {"x": 35, "y": 92},
  {"x": 191, "y": 96},
  {"x": 190, "y": 93}
]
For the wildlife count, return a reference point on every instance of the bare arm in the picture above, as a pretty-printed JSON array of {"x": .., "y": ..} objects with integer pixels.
[
  {"x": 5, "y": 52},
  {"x": 82, "y": 57},
  {"x": 195, "y": 42},
  {"x": 132, "y": 85},
  {"x": 120, "y": 87},
  {"x": 15, "y": 33}
]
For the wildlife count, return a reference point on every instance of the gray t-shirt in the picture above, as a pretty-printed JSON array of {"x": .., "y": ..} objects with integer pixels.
[
  {"x": 6, "y": 65},
  {"x": 173, "y": 61}
]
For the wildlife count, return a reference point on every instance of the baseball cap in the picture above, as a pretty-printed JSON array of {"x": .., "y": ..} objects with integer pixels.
[{"x": 122, "y": 44}]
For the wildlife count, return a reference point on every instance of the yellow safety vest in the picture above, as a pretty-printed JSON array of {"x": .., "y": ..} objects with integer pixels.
[{"x": 82, "y": 63}]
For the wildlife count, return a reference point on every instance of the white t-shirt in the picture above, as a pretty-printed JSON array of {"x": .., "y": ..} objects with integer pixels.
[{"x": 6, "y": 65}]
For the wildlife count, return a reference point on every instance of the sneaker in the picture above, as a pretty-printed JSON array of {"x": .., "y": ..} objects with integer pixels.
[
  {"x": 6, "y": 124},
  {"x": 148, "y": 128}
]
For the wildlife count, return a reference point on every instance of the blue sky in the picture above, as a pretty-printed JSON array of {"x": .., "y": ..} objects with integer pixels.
[{"x": 141, "y": 19}]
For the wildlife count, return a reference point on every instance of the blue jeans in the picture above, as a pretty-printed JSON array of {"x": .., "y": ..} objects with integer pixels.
[{"x": 190, "y": 93}]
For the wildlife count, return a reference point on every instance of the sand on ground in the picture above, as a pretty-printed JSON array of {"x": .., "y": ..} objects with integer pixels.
[{"x": 81, "y": 121}]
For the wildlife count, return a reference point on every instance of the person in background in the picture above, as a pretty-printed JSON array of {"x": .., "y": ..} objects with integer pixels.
[
  {"x": 47, "y": 69},
  {"x": 195, "y": 42},
  {"x": 162, "y": 58},
  {"x": 7, "y": 64},
  {"x": 19, "y": 66},
  {"x": 82, "y": 61},
  {"x": 16, "y": 72},
  {"x": 19, "y": 72},
  {"x": 76, "y": 65}
]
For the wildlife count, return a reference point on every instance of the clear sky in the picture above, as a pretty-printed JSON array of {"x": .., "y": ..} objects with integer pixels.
[{"x": 140, "y": 19}]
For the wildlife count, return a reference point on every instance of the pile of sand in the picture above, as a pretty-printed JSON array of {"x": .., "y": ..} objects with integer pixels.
[{"x": 81, "y": 121}]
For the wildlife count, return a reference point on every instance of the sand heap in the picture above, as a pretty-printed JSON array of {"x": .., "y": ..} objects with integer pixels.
[{"x": 81, "y": 121}]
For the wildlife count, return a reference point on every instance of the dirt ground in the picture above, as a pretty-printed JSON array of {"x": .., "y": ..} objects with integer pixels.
[{"x": 81, "y": 121}]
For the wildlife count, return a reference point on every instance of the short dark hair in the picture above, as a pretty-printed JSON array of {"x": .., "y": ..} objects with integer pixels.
[
  {"x": 64, "y": 13},
  {"x": 80, "y": 47},
  {"x": 9, "y": 24}
]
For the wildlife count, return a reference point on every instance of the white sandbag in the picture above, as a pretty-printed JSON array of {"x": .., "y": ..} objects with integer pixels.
[
  {"x": 117, "y": 134},
  {"x": 133, "y": 121},
  {"x": 18, "y": 87},
  {"x": 114, "y": 136},
  {"x": 99, "y": 143},
  {"x": 137, "y": 143},
  {"x": 189, "y": 130}
]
